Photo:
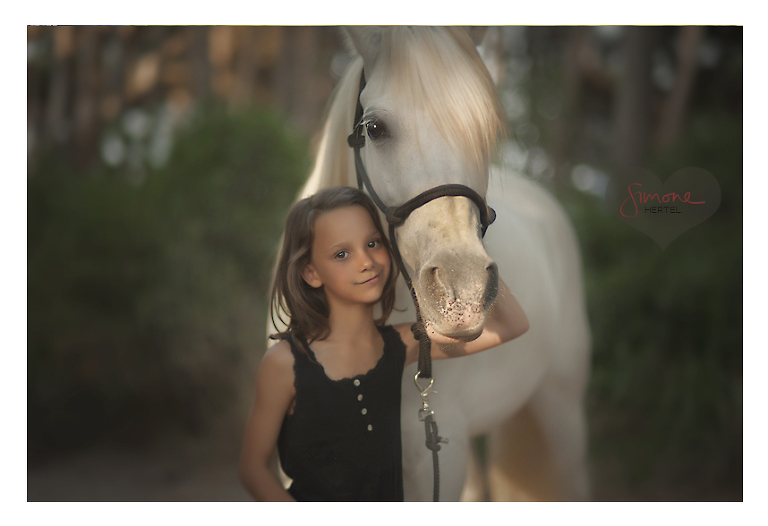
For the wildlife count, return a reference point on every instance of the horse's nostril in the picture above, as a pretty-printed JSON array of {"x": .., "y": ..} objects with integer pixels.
[
  {"x": 493, "y": 273},
  {"x": 492, "y": 286},
  {"x": 440, "y": 285},
  {"x": 434, "y": 275}
]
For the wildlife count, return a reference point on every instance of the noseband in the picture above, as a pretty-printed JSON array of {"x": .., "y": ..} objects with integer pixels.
[{"x": 396, "y": 216}]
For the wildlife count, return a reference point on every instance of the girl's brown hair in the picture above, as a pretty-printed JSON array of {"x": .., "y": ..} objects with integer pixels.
[{"x": 307, "y": 307}]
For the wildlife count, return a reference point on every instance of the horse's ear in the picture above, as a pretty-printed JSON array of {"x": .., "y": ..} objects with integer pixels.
[
  {"x": 477, "y": 33},
  {"x": 366, "y": 40}
]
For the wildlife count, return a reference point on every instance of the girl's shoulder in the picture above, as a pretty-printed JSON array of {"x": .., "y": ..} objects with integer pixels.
[
  {"x": 278, "y": 359},
  {"x": 275, "y": 377}
]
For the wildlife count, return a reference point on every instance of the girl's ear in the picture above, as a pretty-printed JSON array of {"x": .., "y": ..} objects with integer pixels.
[{"x": 310, "y": 276}]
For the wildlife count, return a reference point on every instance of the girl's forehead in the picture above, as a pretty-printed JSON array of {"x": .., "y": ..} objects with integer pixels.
[
  {"x": 337, "y": 215},
  {"x": 345, "y": 222}
]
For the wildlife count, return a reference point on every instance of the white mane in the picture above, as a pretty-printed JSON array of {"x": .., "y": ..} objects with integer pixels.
[{"x": 419, "y": 61}]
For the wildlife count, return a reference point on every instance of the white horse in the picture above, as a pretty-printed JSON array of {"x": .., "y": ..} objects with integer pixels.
[{"x": 433, "y": 117}]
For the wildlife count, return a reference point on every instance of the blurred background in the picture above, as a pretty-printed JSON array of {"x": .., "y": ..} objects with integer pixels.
[{"x": 161, "y": 163}]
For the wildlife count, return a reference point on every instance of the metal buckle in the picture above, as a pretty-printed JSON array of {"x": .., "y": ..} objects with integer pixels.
[
  {"x": 425, "y": 411},
  {"x": 423, "y": 390}
]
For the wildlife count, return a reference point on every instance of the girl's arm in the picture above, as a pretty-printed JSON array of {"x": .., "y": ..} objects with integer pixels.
[
  {"x": 506, "y": 322},
  {"x": 274, "y": 394}
]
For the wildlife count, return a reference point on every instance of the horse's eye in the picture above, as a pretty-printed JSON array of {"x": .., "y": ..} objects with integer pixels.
[{"x": 375, "y": 129}]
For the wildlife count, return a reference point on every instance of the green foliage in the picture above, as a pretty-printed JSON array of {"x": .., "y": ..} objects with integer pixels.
[
  {"x": 146, "y": 298},
  {"x": 666, "y": 385}
]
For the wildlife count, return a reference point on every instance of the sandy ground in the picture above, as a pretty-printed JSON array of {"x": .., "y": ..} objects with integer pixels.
[
  {"x": 192, "y": 469},
  {"x": 205, "y": 469}
]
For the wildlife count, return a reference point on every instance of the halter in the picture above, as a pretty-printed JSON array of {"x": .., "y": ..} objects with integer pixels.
[{"x": 396, "y": 216}]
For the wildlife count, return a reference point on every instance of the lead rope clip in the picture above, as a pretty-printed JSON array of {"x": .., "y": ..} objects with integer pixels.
[{"x": 425, "y": 412}]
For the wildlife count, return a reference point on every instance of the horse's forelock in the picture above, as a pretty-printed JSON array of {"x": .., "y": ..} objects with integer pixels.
[{"x": 439, "y": 70}]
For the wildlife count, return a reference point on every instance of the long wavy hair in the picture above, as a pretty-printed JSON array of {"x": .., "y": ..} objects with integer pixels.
[{"x": 306, "y": 308}]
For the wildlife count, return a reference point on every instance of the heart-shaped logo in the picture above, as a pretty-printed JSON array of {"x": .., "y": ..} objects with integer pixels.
[{"x": 663, "y": 211}]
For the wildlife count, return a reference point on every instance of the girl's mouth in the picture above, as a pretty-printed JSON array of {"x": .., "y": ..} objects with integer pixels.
[{"x": 371, "y": 281}]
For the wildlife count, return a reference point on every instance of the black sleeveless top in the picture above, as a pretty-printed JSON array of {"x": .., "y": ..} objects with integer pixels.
[{"x": 342, "y": 441}]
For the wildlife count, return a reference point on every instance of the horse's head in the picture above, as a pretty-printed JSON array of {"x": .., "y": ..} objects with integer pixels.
[{"x": 431, "y": 117}]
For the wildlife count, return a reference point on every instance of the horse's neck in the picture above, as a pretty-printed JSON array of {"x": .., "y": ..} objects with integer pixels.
[{"x": 334, "y": 165}]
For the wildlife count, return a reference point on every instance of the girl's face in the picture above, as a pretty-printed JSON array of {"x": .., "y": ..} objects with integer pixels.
[{"x": 348, "y": 258}]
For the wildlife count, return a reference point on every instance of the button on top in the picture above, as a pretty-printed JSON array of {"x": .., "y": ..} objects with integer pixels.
[{"x": 356, "y": 382}]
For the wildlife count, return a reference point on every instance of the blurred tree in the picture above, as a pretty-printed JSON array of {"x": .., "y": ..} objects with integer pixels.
[
  {"x": 633, "y": 102},
  {"x": 666, "y": 388},
  {"x": 674, "y": 111},
  {"x": 82, "y": 78},
  {"x": 146, "y": 301}
]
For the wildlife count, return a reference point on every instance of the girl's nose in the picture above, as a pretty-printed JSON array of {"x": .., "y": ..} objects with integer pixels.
[{"x": 366, "y": 262}]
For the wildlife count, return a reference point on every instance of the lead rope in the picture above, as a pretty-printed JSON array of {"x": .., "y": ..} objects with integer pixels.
[
  {"x": 395, "y": 217},
  {"x": 433, "y": 440}
]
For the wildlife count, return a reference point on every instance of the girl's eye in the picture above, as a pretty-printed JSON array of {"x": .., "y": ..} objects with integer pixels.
[
  {"x": 374, "y": 243},
  {"x": 341, "y": 255}
]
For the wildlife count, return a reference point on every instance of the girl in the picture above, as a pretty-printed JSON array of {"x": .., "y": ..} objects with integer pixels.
[{"x": 328, "y": 394}]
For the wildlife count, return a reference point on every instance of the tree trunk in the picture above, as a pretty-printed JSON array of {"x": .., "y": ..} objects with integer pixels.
[
  {"x": 198, "y": 56},
  {"x": 675, "y": 107},
  {"x": 632, "y": 110},
  {"x": 573, "y": 80},
  {"x": 87, "y": 92},
  {"x": 58, "y": 92},
  {"x": 294, "y": 74}
]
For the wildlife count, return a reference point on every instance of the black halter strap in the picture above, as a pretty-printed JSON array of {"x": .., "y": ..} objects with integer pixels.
[{"x": 396, "y": 216}]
